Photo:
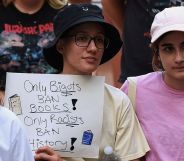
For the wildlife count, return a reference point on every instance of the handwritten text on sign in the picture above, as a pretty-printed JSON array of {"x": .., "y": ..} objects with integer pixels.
[{"x": 60, "y": 111}]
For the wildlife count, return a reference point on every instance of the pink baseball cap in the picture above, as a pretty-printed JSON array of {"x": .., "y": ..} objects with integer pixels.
[{"x": 170, "y": 19}]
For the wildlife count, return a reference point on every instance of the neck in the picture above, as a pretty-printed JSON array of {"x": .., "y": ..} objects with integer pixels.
[
  {"x": 174, "y": 83},
  {"x": 74, "y": 72},
  {"x": 28, "y": 7}
]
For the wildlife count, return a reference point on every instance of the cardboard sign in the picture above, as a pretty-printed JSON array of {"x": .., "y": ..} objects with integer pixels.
[{"x": 64, "y": 112}]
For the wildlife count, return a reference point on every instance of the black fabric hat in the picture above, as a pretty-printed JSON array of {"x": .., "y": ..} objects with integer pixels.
[{"x": 75, "y": 14}]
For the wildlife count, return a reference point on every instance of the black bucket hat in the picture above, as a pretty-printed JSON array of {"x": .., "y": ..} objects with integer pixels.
[{"x": 75, "y": 14}]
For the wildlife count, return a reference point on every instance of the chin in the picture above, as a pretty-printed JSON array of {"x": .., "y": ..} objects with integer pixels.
[
  {"x": 179, "y": 77},
  {"x": 90, "y": 68},
  {"x": 88, "y": 71}
]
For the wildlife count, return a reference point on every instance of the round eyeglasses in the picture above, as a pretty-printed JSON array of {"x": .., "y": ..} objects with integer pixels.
[{"x": 83, "y": 40}]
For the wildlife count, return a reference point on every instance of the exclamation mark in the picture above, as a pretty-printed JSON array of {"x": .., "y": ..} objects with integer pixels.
[
  {"x": 72, "y": 142},
  {"x": 74, "y": 103}
]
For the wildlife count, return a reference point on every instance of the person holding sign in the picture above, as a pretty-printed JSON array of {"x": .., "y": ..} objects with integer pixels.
[
  {"x": 84, "y": 41},
  {"x": 14, "y": 145}
]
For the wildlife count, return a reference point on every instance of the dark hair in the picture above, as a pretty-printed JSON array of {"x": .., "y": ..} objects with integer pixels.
[{"x": 156, "y": 62}]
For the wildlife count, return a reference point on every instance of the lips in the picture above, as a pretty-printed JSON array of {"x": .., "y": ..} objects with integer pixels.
[
  {"x": 179, "y": 68},
  {"x": 90, "y": 59}
]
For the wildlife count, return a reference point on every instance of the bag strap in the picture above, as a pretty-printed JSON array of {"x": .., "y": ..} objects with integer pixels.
[{"x": 132, "y": 89}]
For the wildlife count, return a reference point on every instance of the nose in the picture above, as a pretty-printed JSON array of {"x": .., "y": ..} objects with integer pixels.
[
  {"x": 92, "y": 45},
  {"x": 179, "y": 56}
]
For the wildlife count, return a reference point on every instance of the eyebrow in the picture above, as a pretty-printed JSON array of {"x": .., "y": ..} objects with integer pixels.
[
  {"x": 166, "y": 44},
  {"x": 170, "y": 44}
]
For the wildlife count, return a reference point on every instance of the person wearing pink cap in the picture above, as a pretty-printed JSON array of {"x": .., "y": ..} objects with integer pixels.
[{"x": 158, "y": 97}]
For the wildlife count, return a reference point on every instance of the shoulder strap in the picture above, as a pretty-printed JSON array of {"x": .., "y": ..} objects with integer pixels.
[{"x": 132, "y": 89}]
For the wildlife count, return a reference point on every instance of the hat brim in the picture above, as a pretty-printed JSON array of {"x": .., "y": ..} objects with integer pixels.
[
  {"x": 175, "y": 27},
  {"x": 55, "y": 59}
]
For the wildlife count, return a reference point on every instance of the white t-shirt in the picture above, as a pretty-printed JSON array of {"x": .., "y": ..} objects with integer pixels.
[{"x": 13, "y": 142}]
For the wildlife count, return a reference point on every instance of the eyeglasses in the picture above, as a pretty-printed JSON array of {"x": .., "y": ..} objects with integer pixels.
[{"x": 83, "y": 40}]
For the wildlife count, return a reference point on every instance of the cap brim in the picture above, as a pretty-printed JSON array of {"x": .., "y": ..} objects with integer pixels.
[
  {"x": 175, "y": 27},
  {"x": 55, "y": 59}
]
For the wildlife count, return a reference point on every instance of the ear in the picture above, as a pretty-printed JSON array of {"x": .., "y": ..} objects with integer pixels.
[{"x": 60, "y": 46}]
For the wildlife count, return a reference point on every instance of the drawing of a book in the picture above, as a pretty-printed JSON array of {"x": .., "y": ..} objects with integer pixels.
[{"x": 15, "y": 104}]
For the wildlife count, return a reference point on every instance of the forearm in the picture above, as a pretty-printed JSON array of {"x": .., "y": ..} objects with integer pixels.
[{"x": 113, "y": 11}]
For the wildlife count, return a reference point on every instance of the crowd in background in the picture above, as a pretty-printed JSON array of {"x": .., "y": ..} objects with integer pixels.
[{"x": 148, "y": 35}]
